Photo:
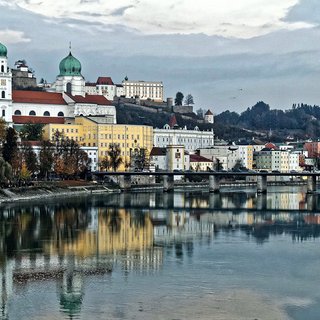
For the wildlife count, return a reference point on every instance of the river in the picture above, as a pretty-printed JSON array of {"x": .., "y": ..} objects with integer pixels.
[{"x": 233, "y": 255}]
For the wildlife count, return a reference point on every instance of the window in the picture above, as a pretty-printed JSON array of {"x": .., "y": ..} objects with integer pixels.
[
  {"x": 69, "y": 87},
  {"x": 60, "y": 114},
  {"x": 32, "y": 113},
  {"x": 17, "y": 113},
  {"x": 3, "y": 94},
  {"x": 3, "y": 112},
  {"x": 2, "y": 68}
]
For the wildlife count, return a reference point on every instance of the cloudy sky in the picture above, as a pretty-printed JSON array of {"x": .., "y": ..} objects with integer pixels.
[{"x": 228, "y": 54}]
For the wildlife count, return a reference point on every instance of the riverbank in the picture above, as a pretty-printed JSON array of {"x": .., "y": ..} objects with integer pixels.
[
  {"x": 63, "y": 189},
  {"x": 54, "y": 190}
]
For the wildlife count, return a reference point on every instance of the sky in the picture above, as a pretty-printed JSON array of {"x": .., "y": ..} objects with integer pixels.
[{"x": 229, "y": 54}]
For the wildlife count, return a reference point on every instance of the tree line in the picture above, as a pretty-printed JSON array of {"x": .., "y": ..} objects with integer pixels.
[{"x": 301, "y": 121}]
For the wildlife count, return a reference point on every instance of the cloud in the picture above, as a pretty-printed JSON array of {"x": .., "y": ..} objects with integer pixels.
[
  {"x": 13, "y": 37},
  {"x": 228, "y": 18},
  {"x": 306, "y": 10}
]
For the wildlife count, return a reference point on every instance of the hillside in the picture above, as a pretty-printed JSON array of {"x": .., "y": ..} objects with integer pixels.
[{"x": 300, "y": 122}]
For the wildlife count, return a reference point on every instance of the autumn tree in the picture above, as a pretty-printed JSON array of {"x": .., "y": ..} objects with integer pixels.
[
  {"x": 45, "y": 158},
  {"x": 105, "y": 163},
  {"x": 69, "y": 159},
  {"x": 114, "y": 154},
  {"x": 30, "y": 158},
  {"x": 179, "y": 98}
]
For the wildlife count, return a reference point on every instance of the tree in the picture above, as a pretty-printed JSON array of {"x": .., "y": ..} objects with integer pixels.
[
  {"x": 105, "y": 163},
  {"x": 188, "y": 100},
  {"x": 5, "y": 172},
  {"x": 69, "y": 159},
  {"x": 10, "y": 146},
  {"x": 114, "y": 154},
  {"x": 32, "y": 131},
  {"x": 30, "y": 158},
  {"x": 45, "y": 158},
  {"x": 179, "y": 98},
  {"x": 218, "y": 165}
]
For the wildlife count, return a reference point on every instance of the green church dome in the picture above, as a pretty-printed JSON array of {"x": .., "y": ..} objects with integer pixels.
[
  {"x": 70, "y": 66},
  {"x": 3, "y": 50}
]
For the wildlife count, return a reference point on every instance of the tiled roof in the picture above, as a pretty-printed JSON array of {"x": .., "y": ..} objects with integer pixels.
[
  {"x": 35, "y": 119},
  {"x": 209, "y": 113},
  {"x": 90, "y": 84},
  {"x": 38, "y": 97},
  {"x": 156, "y": 151},
  {"x": 105, "y": 80},
  {"x": 90, "y": 99},
  {"x": 196, "y": 158}
]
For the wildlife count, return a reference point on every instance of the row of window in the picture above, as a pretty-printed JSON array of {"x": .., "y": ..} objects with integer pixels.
[{"x": 33, "y": 113}]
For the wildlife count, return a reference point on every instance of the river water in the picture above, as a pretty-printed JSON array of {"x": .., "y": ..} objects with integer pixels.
[{"x": 233, "y": 255}]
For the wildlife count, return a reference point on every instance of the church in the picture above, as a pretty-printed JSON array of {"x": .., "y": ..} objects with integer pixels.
[{"x": 65, "y": 99}]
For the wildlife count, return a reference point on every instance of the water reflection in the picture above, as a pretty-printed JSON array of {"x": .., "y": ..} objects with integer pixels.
[{"x": 71, "y": 241}]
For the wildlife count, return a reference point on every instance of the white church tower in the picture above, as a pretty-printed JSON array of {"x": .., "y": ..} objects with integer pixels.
[
  {"x": 5, "y": 86},
  {"x": 70, "y": 79}
]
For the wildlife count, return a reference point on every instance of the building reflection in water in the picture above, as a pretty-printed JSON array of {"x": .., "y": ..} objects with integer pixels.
[{"x": 67, "y": 243}]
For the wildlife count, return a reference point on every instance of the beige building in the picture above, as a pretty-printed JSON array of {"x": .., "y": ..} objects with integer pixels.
[{"x": 95, "y": 132}]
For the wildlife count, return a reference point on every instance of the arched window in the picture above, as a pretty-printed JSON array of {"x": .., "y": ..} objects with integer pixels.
[
  {"x": 2, "y": 68},
  {"x": 17, "y": 113},
  {"x": 60, "y": 114},
  {"x": 32, "y": 113},
  {"x": 3, "y": 113},
  {"x": 46, "y": 114},
  {"x": 3, "y": 94},
  {"x": 69, "y": 87}
]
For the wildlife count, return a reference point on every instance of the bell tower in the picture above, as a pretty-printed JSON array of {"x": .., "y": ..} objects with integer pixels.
[{"x": 5, "y": 86}]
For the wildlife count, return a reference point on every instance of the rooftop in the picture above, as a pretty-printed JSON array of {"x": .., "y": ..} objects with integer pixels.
[{"x": 38, "y": 97}]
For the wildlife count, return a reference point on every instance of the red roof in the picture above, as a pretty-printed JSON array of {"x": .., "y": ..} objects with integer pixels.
[
  {"x": 208, "y": 113},
  {"x": 173, "y": 121},
  {"x": 90, "y": 84},
  {"x": 157, "y": 151},
  {"x": 271, "y": 146},
  {"x": 39, "y": 97},
  {"x": 105, "y": 80},
  {"x": 90, "y": 99},
  {"x": 35, "y": 119},
  {"x": 196, "y": 158}
]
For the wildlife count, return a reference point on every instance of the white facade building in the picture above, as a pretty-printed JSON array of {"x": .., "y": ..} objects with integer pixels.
[
  {"x": 5, "y": 86},
  {"x": 143, "y": 89},
  {"x": 191, "y": 139}
]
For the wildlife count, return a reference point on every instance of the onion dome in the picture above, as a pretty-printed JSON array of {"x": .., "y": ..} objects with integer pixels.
[
  {"x": 3, "y": 50},
  {"x": 70, "y": 66}
]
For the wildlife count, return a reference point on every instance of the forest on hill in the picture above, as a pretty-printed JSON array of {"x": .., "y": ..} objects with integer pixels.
[{"x": 302, "y": 121}]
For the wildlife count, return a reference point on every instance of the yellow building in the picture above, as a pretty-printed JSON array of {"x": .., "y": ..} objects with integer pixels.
[{"x": 95, "y": 132}]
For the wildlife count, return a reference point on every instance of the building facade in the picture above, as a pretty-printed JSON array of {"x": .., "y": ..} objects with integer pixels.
[
  {"x": 95, "y": 132},
  {"x": 5, "y": 86},
  {"x": 191, "y": 139},
  {"x": 152, "y": 90}
]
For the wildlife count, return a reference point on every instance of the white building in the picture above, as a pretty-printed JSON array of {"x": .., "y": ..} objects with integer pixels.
[
  {"x": 105, "y": 87},
  {"x": 51, "y": 104},
  {"x": 229, "y": 155},
  {"x": 5, "y": 86},
  {"x": 208, "y": 117},
  {"x": 272, "y": 160},
  {"x": 143, "y": 89},
  {"x": 66, "y": 98},
  {"x": 190, "y": 139},
  {"x": 173, "y": 157}
]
